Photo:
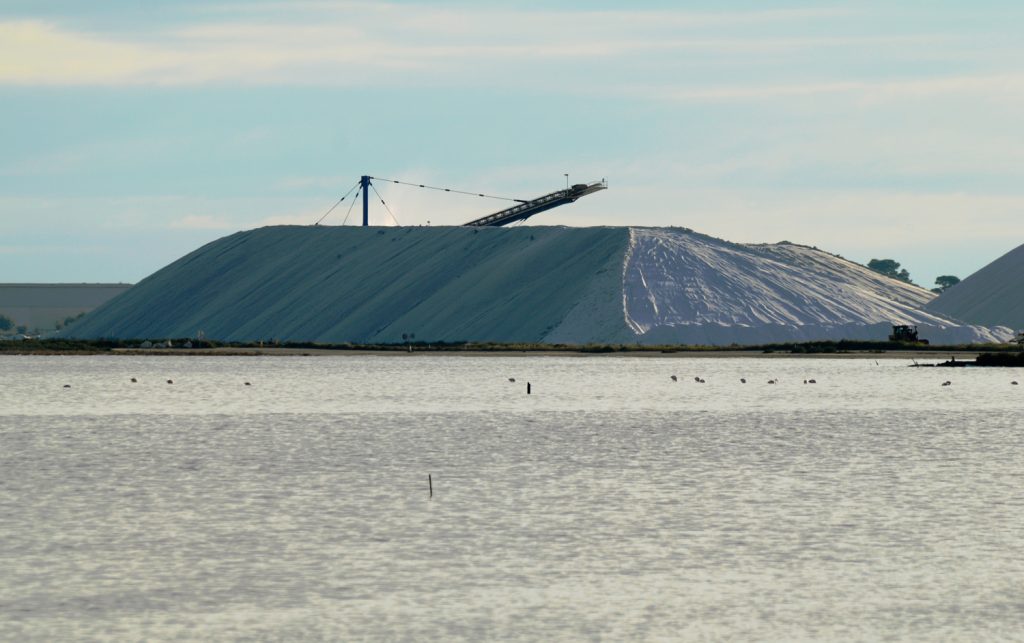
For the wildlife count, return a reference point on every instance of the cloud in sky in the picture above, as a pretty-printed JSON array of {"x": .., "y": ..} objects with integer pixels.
[
  {"x": 848, "y": 128},
  {"x": 34, "y": 52},
  {"x": 680, "y": 55},
  {"x": 199, "y": 222},
  {"x": 286, "y": 219},
  {"x": 351, "y": 44},
  {"x": 1002, "y": 84}
]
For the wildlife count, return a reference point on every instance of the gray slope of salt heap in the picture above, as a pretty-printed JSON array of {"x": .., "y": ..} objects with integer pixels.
[
  {"x": 992, "y": 296},
  {"x": 519, "y": 284},
  {"x": 354, "y": 284}
]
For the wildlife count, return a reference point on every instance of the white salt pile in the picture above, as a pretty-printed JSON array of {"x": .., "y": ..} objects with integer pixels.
[
  {"x": 993, "y": 296},
  {"x": 520, "y": 284}
]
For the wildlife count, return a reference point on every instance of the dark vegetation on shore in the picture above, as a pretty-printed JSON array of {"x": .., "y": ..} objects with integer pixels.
[
  {"x": 72, "y": 346},
  {"x": 1012, "y": 359},
  {"x": 1000, "y": 359}
]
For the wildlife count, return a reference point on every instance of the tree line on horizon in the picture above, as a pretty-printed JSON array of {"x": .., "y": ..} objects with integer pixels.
[
  {"x": 891, "y": 268},
  {"x": 7, "y": 324}
]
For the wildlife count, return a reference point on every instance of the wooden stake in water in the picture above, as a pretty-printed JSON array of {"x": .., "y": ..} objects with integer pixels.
[
  {"x": 430, "y": 483},
  {"x": 527, "y": 388}
]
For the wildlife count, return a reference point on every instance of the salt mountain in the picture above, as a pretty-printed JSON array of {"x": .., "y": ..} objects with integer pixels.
[
  {"x": 521, "y": 284},
  {"x": 993, "y": 295}
]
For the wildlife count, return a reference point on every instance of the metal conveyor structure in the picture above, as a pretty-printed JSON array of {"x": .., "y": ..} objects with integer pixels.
[
  {"x": 521, "y": 211},
  {"x": 526, "y": 209}
]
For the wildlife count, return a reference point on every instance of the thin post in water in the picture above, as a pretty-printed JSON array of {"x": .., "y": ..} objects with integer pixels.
[{"x": 430, "y": 484}]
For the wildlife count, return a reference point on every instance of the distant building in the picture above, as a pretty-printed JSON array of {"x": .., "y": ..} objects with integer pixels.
[{"x": 43, "y": 306}]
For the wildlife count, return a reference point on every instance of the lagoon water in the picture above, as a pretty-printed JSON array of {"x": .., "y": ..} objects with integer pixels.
[{"x": 611, "y": 503}]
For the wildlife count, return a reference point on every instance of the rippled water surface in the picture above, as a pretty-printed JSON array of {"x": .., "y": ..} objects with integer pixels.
[{"x": 611, "y": 503}]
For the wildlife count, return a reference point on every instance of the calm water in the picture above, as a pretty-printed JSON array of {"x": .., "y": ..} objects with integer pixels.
[{"x": 612, "y": 503}]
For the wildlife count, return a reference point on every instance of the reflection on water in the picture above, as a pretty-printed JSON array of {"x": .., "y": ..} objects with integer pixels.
[{"x": 610, "y": 503}]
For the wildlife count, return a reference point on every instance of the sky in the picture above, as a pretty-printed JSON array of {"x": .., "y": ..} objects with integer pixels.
[{"x": 134, "y": 132}]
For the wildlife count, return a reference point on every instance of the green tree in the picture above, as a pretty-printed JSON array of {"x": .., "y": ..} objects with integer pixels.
[
  {"x": 945, "y": 282},
  {"x": 890, "y": 268},
  {"x": 6, "y": 323}
]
